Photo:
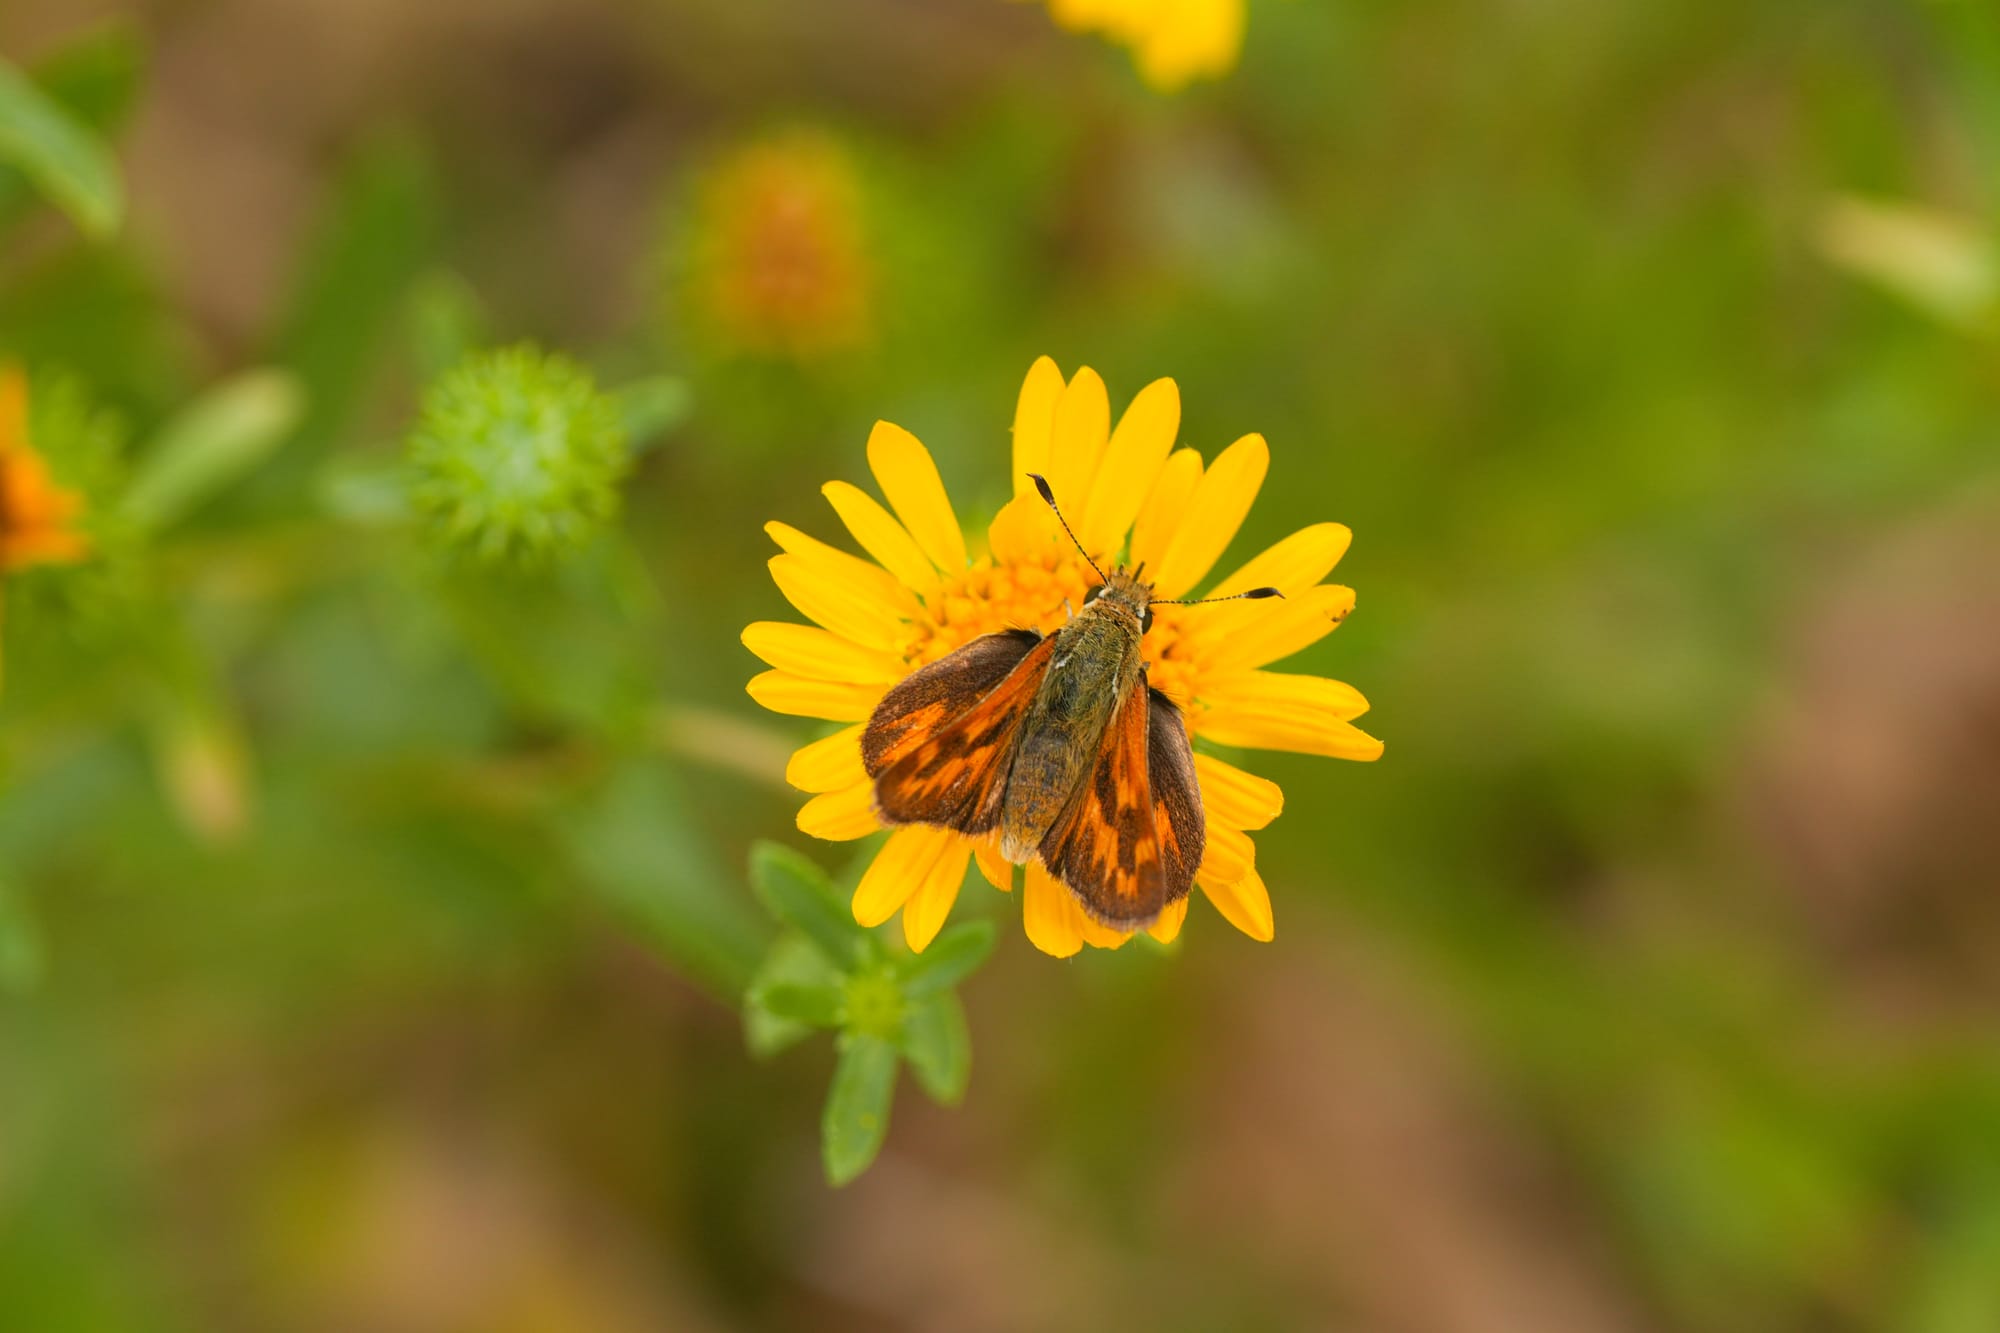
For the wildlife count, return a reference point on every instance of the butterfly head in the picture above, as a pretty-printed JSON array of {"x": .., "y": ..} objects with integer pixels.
[{"x": 1128, "y": 592}]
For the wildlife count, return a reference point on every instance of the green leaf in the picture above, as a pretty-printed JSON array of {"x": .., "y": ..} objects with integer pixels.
[
  {"x": 792, "y": 960},
  {"x": 635, "y": 845},
  {"x": 20, "y": 944},
  {"x": 447, "y": 323},
  {"x": 938, "y": 1044},
  {"x": 952, "y": 957},
  {"x": 366, "y": 492},
  {"x": 213, "y": 441},
  {"x": 815, "y": 1006},
  {"x": 95, "y": 76},
  {"x": 652, "y": 407},
  {"x": 857, "y": 1106},
  {"x": 351, "y": 295},
  {"x": 68, "y": 163},
  {"x": 799, "y": 893}
]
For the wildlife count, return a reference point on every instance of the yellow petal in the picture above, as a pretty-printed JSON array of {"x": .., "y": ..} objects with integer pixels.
[
  {"x": 1230, "y": 855},
  {"x": 925, "y": 912},
  {"x": 899, "y": 870},
  {"x": 830, "y": 764},
  {"x": 1197, "y": 41},
  {"x": 999, "y": 871},
  {"x": 907, "y": 474},
  {"x": 1168, "y": 927},
  {"x": 817, "y": 654},
  {"x": 1023, "y": 531},
  {"x": 1235, "y": 798},
  {"x": 864, "y": 576},
  {"x": 879, "y": 534},
  {"x": 1213, "y": 515},
  {"x": 836, "y": 701},
  {"x": 1034, "y": 417},
  {"x": 1160, "y": 517},
  {"x": 1096, "y": 935},
  {"x": 829, "y": 600},
  {"x": 1053, "y": 921},
  {"x": 1264, "y": 710},
  {"x": 1245, "y": 635},
  {"x": 1083, "y": 422},
  {"x": 841, "y": 816},
  {"x": 1245, "y": 904},
  {"x": 1132, "y": 461},
  {"x": 1294, "y": 564}
]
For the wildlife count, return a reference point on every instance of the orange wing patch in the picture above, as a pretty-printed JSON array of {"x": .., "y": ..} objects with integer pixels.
[
  {"x": 941, "y": 743},
  {"x": 1105, "y": 847}
]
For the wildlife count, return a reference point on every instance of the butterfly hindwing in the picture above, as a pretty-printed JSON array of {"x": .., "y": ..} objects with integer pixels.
[
  {"x": 940, "y": 744},
  {"x": 1178, "y": 819},
  {"x": 1105, "y": 846}
]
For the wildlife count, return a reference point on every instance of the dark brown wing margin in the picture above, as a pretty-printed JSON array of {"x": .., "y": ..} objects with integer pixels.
[{"x": 1177, "y": 812}]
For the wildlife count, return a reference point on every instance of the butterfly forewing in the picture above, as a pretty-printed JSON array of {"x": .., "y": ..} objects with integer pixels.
[
  {"x": 940, "y": 744},
  {"x": 1105, "y": 846}
]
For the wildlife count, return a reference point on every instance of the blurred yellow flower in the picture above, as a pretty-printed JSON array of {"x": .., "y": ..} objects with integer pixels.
[
  {"x": 1174, "y": 42},
  {"x": 780, "y": 265},
  {"x": 37, "y": 517},
  {"x": 925, "y": 590}
]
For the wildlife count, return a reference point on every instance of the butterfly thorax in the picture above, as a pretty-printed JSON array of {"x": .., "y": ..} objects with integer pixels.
[{"x": 1095, "y": 667}]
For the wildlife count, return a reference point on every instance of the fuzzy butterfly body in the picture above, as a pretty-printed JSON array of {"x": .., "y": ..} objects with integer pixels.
[{"x": 1055, "y": 745}]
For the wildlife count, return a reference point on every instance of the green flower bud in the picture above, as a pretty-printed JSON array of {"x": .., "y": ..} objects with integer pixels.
[{"x": 517, "y": 456}]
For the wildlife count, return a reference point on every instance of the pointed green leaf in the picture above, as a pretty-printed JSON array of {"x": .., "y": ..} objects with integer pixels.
[
  {"x": 952, "y": 957},
  {"x": 792, "y": 961},
  {"x": 815, "y": 1006},
  {"x": 652, "y": 407},
  {"x": 798, "y": 893},
  {"x": 366, "y": 493},
  {"x": 447, "y": 323},
  {"x": 633, "y": 842},
  {"x": 20, "y": 944},
  {"x": 938, "y": 1044},
  {"x": 857, "y": 1106},
  {"x": 211, "y": 442},
  {"x": 95, "y": 76},
  {"x": 67, "y": 162}
]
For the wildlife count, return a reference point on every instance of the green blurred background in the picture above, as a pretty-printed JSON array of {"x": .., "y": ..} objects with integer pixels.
[{"x": 374, "y": 927}]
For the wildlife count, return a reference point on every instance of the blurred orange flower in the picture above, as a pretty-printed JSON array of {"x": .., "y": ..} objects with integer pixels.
[
  {"x": 780, "y": 260},
  {"x": 1173, "y": 42},
  {"x": 37, "y": 517}
]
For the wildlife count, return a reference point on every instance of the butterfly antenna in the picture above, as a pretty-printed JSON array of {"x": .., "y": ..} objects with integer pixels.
[
  {"x": 1042, "y": 485},
  {"x": 1254, "y": 594}
]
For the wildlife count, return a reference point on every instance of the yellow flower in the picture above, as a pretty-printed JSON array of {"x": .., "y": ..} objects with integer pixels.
[
  {"x": 1173, "y": 42},
  {"x": 37, "y": 517},
  {"x": 924, "y": 591},
  {"x": 780, "y": 263}
]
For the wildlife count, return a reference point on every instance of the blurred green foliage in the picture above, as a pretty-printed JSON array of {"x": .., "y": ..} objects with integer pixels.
[{"x": 315, "y": 844}]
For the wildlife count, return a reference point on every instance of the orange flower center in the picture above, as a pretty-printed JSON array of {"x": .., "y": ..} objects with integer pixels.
[{"x": 1041, "y": 595}]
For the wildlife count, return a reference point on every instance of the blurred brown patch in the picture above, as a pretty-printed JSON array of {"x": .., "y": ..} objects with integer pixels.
[
  {"x": 1353, "y": 1151},
  {"x": 1876, "y": 786}
]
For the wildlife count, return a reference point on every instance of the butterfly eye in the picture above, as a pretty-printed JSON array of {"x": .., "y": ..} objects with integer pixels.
[
  {"x": 1146, "y": 620},
  {"x": 1093, "y": 594}
]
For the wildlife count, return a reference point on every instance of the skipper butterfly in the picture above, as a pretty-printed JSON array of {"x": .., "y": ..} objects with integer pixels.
[{"x": 1056, "y": 743}]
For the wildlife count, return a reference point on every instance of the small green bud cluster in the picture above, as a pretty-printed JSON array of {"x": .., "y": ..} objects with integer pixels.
[
  {"x": 888, "y": 1009},
  {"x": 517, "y": 455}
]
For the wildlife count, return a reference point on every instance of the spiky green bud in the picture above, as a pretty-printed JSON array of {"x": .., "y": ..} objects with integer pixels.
[{"x": 517, "y": 455}]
